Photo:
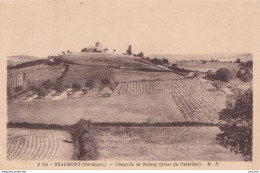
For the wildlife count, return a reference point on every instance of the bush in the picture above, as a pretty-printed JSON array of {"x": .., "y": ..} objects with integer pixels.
[
  {"x": 239, "y": 74},
  {"x": 196, "y": 73},
  {"x": 223, "y": 74},
  {"x": 59, "y": 88},
  {"x": 218, "y": 84},
  {"x": 48, "y": 84},
  {"x": 18, "y": 88},
  {"x": 90, "y": 84},
  {"x": 76, "y": 86},
  {"x": 40, "y": 90},
  {"x": 105, "y": 81},
  {"x": 141, "y": 54},
  {"x": 210, "y": 74},
  {"x": 247, "y": 76}
]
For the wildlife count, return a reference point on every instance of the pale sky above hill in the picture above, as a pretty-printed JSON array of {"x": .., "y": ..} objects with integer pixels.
[{"x": 42, "y": 28}]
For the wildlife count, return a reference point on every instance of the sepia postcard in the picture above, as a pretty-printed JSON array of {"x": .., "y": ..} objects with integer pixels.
[{"x": 128, "y": 84}]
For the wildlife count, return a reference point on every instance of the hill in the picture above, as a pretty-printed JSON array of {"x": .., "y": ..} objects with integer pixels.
[
  {"x": 18, "y": 59},
  {"x": 112, "y": 60},
  {"x": 217, "y": 56}
]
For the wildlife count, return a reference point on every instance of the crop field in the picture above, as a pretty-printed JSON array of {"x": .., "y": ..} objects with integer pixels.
[
  {"x": 145, "y": 86},
  {"x": 162, "y": 143},
  {"x": 15, "y": 80},
  {"x": 81, "y": 74},
  {"x": 124, "y": 75},
  {"x": 31, "y": 144},
  {"x": 198, "y": 65},
  {"x": 192, "y": 97},
  {"x": 106, "y": 59},
  {"x": 34, "y": 75}
]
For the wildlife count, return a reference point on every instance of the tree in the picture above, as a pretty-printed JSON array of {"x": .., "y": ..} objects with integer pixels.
[
  {"x": 129, "y": 50},
  {"x": 247, "y": 76},
  {"x": 249, "y": 64},
  {"x": 90, "y": 84},
  {"x": 223, "y": 74},
  {"x": 141, "y": 54},
  {"x": 210, "y": 74},
  {"x": 114, "y": 50},
  {"x": 68, "y": 51},
  {"x": 236, "y": 132},
  {"x": 63, "y": 52},
  {"x": 238, "y": 60},
  {"x": 165, "y": 61},
  {"x": 105, "y": 81},
  {"x": 106, "y": 49},
  {"x": 76, "y": 86},
  {"x": 59, "y": 88},
  {"x": 196, "y": 73},
  {"x": 174, "y": 66},
  {"x": 84, "y": 50},
  {"x": 239, "y": 74},
  {"x": 48, "y": 84},
  {"x": 40, "y": 90},
  {"x": 18, "y": 88}
]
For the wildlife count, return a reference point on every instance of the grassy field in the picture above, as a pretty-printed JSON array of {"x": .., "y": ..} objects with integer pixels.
[
  {"x": 81, "y": 74},
  {"x": 123, "y": 75},
  {"x": 198, "y": 65},
  {"x": 154, "y": 107},
  {"x": 162, "y": 143},
  {"x": 105, "y": 59},
  {"x": 33, "y": 144}
]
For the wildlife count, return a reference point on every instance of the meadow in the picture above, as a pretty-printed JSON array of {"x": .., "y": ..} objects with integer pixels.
[
  {"x": 162, "y": 144},
  {"x": 153, "y": 107}
]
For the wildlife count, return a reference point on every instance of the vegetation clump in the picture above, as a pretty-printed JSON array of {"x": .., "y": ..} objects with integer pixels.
[
  {"x": 76, "y": 86},
  {"x": 223, "y": 74},
  {"x": 236, "y": 132},
  {"x": 84, "y": 141},
  {"x": 90, "y": 84}
]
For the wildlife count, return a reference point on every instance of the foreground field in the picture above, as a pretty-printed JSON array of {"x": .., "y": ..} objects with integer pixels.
[
  {"x": 162, "y": 143},
  {"x": 154, "y": 107},
  {"x": 31, "y": 144}
]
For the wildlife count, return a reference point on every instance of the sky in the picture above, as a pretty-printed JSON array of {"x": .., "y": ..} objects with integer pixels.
[{"x": 42, "y": 28}]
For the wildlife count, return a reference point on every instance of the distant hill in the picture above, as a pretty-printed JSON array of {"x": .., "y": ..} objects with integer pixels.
[
  {"x": 18, "y": 59},
  {"x": 218, "y": 56}
]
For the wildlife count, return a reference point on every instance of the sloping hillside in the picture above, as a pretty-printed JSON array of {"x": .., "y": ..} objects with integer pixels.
[{"x": 112, "y": 60}]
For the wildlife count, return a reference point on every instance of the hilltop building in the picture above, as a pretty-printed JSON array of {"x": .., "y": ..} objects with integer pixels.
[{"x": 96, "y": 48}]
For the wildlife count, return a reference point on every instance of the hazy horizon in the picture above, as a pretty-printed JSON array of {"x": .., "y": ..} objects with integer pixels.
[{"x": 42, "y": 28}]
